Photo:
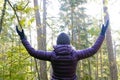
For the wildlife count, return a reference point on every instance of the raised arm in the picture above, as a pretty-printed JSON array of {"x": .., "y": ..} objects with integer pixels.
[
  {"x": 39, "y": 54},
  {"x": 82, "y": 54}
]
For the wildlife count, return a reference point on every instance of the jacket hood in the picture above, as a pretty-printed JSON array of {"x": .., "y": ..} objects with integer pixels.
[
  {"x": 63, "y": 49},
  {"x": 63, "y": 39}
]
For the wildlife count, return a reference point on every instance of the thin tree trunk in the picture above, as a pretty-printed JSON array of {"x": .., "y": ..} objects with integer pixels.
[
  {"x": 41, "y": 32},
  {"x": 101, "y": 66},
  {"x": 89, "y": 68},
  {"x": 72, "y": 26},
  {"x": 43, "y": 65},
  {"x": 112, "y": 62},
  {"x": 96, "y": 72},
  {"x": 3, "y": 14}
]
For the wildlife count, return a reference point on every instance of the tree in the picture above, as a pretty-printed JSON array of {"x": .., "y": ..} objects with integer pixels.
[
  {"x": 75, "y": 19},
  {"x": 15, "y": 60},
  {"x": 41, "y": 38},
  {"x": 2, "y": 16},
  {"x": 111, "y": 56}
]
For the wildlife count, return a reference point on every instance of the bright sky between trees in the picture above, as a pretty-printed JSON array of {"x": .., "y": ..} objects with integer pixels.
[{"x": 94, "y": 9}]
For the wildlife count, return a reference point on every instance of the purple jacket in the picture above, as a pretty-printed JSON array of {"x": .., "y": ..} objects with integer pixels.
[{"x": 64, "y": 58}]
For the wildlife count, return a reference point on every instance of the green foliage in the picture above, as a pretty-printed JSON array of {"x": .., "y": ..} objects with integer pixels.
[{"x": 15, "y": 64}]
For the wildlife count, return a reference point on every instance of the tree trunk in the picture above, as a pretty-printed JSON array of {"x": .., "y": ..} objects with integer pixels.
[
  {"x": 43, "y": 65},
  {"x": 101, "y": 65},
  {"x": 112, "y": 62},
  {"x": 96, "y": 72},
  {"x": 72, "y": 26},
  {"x": 3, "y": 14},
  {"x": 41, "y": 39}
]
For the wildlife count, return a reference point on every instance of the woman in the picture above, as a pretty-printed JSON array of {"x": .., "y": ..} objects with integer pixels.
[{"x": 63, "y": 58}]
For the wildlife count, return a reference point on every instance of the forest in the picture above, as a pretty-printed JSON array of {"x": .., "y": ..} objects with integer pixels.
[{"x": 42, "y": 21}]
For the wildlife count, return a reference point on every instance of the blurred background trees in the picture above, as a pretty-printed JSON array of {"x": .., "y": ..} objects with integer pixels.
[{"x": 42, "y": 21}]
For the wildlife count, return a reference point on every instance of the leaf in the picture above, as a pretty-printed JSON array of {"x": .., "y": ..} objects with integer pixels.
[
  {"x": 22, "y": 21},
  {"x": 28, "y": 10}
]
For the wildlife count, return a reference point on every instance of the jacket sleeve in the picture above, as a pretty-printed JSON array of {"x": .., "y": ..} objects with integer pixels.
[
  {"x": 39, "y": 54},
  {"x": 82, "y": 54}
]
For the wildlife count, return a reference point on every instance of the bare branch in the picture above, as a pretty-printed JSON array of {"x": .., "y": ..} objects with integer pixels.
[
  {"x": 15, "y": 14},
  {"x": 26, "y": 5}
]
